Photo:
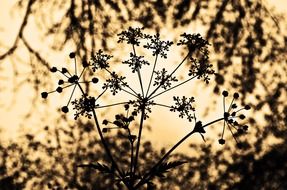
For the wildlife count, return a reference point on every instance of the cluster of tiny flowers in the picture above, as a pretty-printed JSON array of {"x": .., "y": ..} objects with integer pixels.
[
  {"x": 84, "y": 106},
  {"x": 115, "y": 83},
  {"x": 141, "y": 104},
  {"x": 158, "y": 46},
  {"x": 184, "y": 107},
  {"x": 100, "y": 60},
  {"x": 201, "y": 68},
  {"x": 231, "y": 116},
  {"x": 163, "y": 79},
  {"x": 136, "y": 62},
  {"x": 132, "y": 36},
  {"x": 193, "y": 42}
]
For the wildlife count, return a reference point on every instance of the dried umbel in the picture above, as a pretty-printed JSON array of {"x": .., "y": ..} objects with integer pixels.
[{"x": 139, "y": 104}]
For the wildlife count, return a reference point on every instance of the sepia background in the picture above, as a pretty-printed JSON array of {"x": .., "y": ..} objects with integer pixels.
[{"x": 248, "y": 51}]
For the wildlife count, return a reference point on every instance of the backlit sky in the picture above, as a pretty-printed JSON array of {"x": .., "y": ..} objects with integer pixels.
[{"x": 14, "y": 107}]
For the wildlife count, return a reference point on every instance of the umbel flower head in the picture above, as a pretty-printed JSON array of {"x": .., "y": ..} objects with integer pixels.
[
  {"x": 69, "y": 80},
  {"x": 158, "y": 47},
  {"x": 132, "y": 36},
  {"x": 140, "y": 101},
  {"x": 159, "y": 79},
  {"x": 232, "y": 118},
  {"x": 193, "y": 42},
  {"x": 100, "y": 60},
  {"x": 84, "y": 106},
  {"x": 184, "y": 107}
]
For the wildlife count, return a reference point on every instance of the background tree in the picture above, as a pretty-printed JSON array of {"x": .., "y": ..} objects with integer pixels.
[{"x": 248, "y": 36}]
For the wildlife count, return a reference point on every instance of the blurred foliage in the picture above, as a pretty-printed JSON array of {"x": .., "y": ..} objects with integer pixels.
[
  {"x": 51, "y": 162},
  {"x": 249, "y": 41}
]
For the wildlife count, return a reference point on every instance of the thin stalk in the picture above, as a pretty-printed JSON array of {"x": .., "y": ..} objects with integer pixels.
[
  {"x": 179, "y": 65},
  {"x": 230, "y": 105},
  {"x": 107, "y": 150},
  {"x": 135, "y": 94},
  {"x": 132, "y": 159},
  {"x": 169, "y": 75},
  {"x": 150, "y": 173},
  {"x": 82, "y": 72},
  {"x": 101, "y": 94},
  {"x": 71, "y": 95},
  {"x": 110, "y": 105},
  {"x": 132, "y": 154},
  {"x": 129, "y": 93},
  {"x": 173, "y": 87},
  {"x": 162, "y": 105},
  {"x": 139, "y": 139},
  {"x": 151, "y": 77},
  {"x": 75, "y": 65},
  {"x": 139, "y": 73}
]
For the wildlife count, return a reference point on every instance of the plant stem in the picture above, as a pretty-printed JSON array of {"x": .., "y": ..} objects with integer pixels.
[
  {"x": 139, "y": 139},
  {"x": 170, "y": 75},
  {"x": 107, "y": 150},
  {"x": 71, "y": 95},
  {"x": 109, "y": 105},
  {"x": 148, "y": 175},
  {"x": 154, "y": 65},
  {"x": 138, "y": 72},
  {"x": 135, "y": 94},
  {"x": 173, "y": 87}
]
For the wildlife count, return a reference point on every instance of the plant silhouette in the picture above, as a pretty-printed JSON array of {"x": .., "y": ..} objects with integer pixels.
[
  {"x": 141, "y": 103},
  {"x": 250, "y": 38}
]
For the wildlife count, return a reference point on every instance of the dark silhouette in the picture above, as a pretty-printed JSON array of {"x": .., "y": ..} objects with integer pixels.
[{"x": 253, "y": 44}]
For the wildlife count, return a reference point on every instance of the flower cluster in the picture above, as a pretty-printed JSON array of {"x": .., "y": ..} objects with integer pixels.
[
  {"x": 84, "y": 106},
  {"x": 100, "y": 60},
  {"x": 230, "y": 119},
  {"x": 132, "y": 36},
  {"x": 115, "y": 83},
  {"x": 136, "y": 62},
  {"x": 163, "y": 79},
  {"x": 193, "y": 42},
  {"x": 201, "y": 68},
  {"x": 140, "y": 105},
  {"x": 184, "y": 107},
  {"x": 158, "y": 46}
]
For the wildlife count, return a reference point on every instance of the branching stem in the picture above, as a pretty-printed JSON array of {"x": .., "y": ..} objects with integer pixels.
[{"x": 148, "y": 175}]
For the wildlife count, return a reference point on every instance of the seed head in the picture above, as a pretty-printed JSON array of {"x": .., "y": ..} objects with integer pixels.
[
  {"x": 53, "y": 69},
  {"x": 65, "y": 109},
  {"x": 72, "y": 55},
  {"x": 225, "y": 93},
  {"x": 221, "y": 141},
  {"x": 44, "y": 95}
]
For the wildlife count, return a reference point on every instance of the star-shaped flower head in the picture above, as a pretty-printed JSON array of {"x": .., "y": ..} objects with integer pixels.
[
  {"x": 158, "y": 46},
  {"x": 193, "y": 42},
  {"x": 136, "y": 62},
  {"x": 100, "y": 60},
  {"x": 84, "y": 106},
  {"x": 184, "y": 107},
  {"x": 163, "y": 79},
  {"x": 201, "y": 68},
  {"x": 115, "y": 83},
  {"x": 132, "y": 36},
  {"x": 140, "y": 104}
]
